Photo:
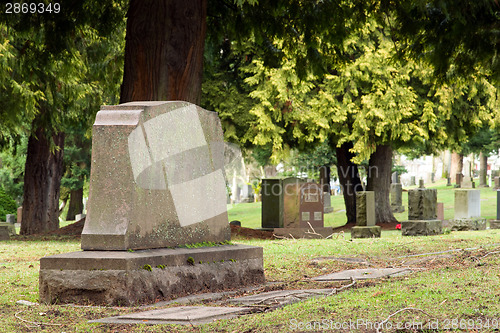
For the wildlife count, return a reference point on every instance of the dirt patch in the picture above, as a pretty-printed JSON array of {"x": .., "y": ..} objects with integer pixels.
[
  {"x": 250, "y": 233},
  {"x": 384, "y": 226}
]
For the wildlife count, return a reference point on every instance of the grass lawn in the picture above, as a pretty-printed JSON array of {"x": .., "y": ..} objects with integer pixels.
[
  {"x": 250, "y": 213},
  {"x": 456, "y": 288},
  {"x": 462, "y": 285}
]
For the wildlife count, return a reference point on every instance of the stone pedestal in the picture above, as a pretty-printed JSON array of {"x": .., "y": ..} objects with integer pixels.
[
  {"x": 422, "y": 214},
  {"x": 422, "y": 227},
  {"x": 365, "y": 216},
  {"x": 397, "y": 198},
  {"x": 128, "y": 278},
  {"x": 11, "y": 228},
  {"x": 468, "y": 210},
  {"x": 494, "y": 224},
  {"x": 4, "y": 232}
]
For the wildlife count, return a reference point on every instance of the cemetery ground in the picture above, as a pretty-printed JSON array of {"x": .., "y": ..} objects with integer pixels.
[{"x": 455, "y": 281}]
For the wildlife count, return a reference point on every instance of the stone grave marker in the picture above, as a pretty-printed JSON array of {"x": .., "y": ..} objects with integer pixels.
[
  {"x": 448, "y": 181},
  {"x": 10, "y": 218},
  {"x": 495, "y": 224},
  {"x": 412, "y": 181},
  {"x": 440, "y": 211},
  {"x": 397, "y": 198},
  {"x": 280, "y": 202},
  {"x": 422, "y": 216},
  {"x": 157, "y": 184},
  {"x": 468, "y": 182},
  {"x": 19, "y": 214},
  {"x": 247, "y": 194},
  {"x": 468, "y": 210},
  {"x": 458, "y": 180},
  {"x": 4, "y": 232},
  {"x": 365, "y": 216},
  {"x": 497, "y": 183},
  {"x": 299, "y": 208}
]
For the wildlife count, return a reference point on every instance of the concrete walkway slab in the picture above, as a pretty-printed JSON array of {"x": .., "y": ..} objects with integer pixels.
[
  {"x": 279, "y": 297},
  {"x": 362, "y": 274},
  {"x": 184, "y": 315}
]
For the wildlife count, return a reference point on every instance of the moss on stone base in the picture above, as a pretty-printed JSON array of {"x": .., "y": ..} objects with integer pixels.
[{"x": 366, "y": 232}]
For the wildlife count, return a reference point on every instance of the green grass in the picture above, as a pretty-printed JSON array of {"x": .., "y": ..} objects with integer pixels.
[
  {"x": 463, "y": 285},
  {"x": 250, "y": 213}
]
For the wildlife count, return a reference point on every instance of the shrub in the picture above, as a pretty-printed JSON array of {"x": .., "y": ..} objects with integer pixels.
[{"x": 7, "y": 205}]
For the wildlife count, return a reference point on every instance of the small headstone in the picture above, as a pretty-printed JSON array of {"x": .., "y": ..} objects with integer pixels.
[
  {"x": 440, "y": 211},
  {"x": 365, "y": 216},
  {"x": 11, "y": 227},
  {"x": 458, "y": 180},
  {"x": 468, "y": 210},
  {"x": 422, "y": 216},
  {"x": 497, "y": 183},
  {"x": 19, "y": 214},
  {"x": 412, "y": 181},
  {"x": 495, "y": 224},
  {"x": 327, "y": 203},
  {"x": 247, "y": 194},
  {"x": 433, "y": 175},
  {"x": 448, "y": 181},
  {"x": 4, "y": 232},
  {"x": 394, "y": 177},
  {"x": 397, "y": 198},
  {"x": 11, "y": 218},
  {"x": 467, "y": 182},
  {"x": 421, "y": 183}
]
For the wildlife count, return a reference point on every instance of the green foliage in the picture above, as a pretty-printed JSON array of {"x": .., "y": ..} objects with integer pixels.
[
  {"x": 190, "y": 261},
  {"x": 7, "y": 205},
  {"x": 13, "y": 158},
  {"x": 147, "y": 268}
]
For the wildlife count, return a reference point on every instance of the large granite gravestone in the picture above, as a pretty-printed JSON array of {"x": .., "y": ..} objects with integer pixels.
[
  {"x": 397, "y": 198},
  {"x": 365, "y": 216},
  {"x": 422, "y": 215},
  {"x": 157, "y": 184},
  {"x": 495, "y": 224},
  {"x": 468, "y": 210}
]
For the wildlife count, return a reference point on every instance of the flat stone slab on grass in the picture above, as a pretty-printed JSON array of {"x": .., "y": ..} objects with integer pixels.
[
  {"x": 362, "y": 274},
  {"x": 350, "y": 260},
  {"x": 184, "y": 315},
  {"x": 280, "y": 297}
]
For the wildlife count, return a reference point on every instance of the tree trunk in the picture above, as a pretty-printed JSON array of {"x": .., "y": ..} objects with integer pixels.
[
  {"x": 483, "y": 166},
  {"x": 75, "y": 204},
  {"x": 349, "y": 179},
  {"x": 457, "y": 163},
  {"x": 42, "y": 181},
  {"x": 379, "y": 181},
  {"x": 164, "y": 50}
]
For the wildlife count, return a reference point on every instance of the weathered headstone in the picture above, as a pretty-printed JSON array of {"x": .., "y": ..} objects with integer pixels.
[
  {"x": 4, "y": 232},
  {"x": 327, "y": 203},
  {"x": 440, "y": 211},
  {"x": 10, "y": 218},
  {"x": 422, "y": 216},
  {"x": 495, "y": 224},
  {"x": 365, "y": 216},
  {"x": 497, "y": 183},
  {"x": 467, "y": 182},
  {"x": 448, "y": 181},
  {"x": 247, "y": 194},
  {"x": 397, "y": 198},
  {"x": 412, "y": 181},
  {"x": 468, "y": 210},
  {"x": 293, "y": 207},
  {"x": 157, "y": 183},
  {"x": 458, "y": 180},
  {"x": 394, "y": 177},
  {"x": 421, "y": 183},
  {"x": 19, "y": 214}
]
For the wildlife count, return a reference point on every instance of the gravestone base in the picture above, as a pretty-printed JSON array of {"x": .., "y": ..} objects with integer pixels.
[
  {"x": 494, "y": 224},
  {"x": 373, "y": 231},
  {"x": 11, "y": 227},
  {"x": 318, "y": 233},
  {"x": 397, "y": 209},
  {"x": 126, "y": 278},
  {"x": 422, "y": 227},
  {"x": 471, "y": 223}
]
